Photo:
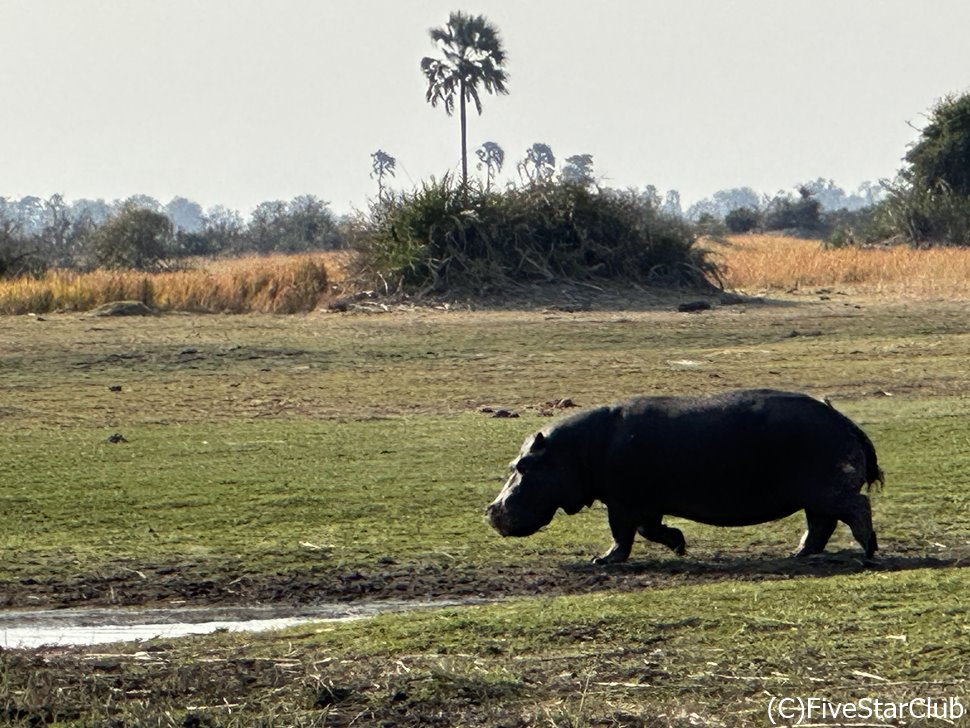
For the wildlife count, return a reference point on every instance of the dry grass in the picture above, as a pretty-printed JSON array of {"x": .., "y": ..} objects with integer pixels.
[
  {"x": 291, "y": 284},
  {"x": 275, "y": 284},
  {"x": 761, "y": 263}
]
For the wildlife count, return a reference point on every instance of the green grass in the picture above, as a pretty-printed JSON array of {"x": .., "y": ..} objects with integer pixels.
[
  {"x": 851, "y": 636},
  {"x": 284, "y": 494},
  {"x": 321, "y": 446},
  {"x": 711, "y": 654}
]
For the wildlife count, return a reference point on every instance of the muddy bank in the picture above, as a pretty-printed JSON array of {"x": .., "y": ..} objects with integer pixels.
[{"x": 188, "y": 585}]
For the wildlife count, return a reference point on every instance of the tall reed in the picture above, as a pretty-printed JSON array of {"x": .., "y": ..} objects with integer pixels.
[
  {"x": 767, "y": 262},
  {"x": 276, "y": 284}
]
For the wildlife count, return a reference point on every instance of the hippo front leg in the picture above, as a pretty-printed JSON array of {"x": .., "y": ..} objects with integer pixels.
[
  {"x": 673, "y": 538},
  {"x": 624, "y": 531}
]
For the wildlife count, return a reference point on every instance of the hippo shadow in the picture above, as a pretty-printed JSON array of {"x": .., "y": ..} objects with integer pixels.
[{"x": 721, "y": 566}]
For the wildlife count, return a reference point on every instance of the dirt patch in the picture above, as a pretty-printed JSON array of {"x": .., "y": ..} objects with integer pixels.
[{"x": 202, "y": 585}]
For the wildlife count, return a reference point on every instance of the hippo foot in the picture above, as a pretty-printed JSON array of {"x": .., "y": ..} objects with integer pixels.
[{"x": 610, "y": 557}]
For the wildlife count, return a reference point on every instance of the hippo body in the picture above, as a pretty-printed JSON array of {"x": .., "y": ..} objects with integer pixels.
[{"x": 735, "y": 459}]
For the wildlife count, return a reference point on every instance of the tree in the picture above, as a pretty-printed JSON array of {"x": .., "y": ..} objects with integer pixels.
[
  {"x": 135, "y": 238},
  {"x": 492, "y": 156},
  {"x": 742, "y": 220},
  {"x": 223, "y": 228},
  {"x": 578, "y": 170},
  {"x": 146, "y": 202},
  {"x": 930, "y": 198},
  {"x": 472, "y": 56},
  {"x": 671, "y": 204},
  {"x": 382, "y": 164},
  {"x": 941, "y": 158},
  {"x": 539, "y": 164},
  {"x": 304, "y": 223},
  {"x": 786, "y": 213},
  {"x": 186, "y": 215},
  {"x": 15, "y": 251}
]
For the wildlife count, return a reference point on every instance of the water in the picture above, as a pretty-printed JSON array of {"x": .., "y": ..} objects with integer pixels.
[{"x": 26, "y": 629}]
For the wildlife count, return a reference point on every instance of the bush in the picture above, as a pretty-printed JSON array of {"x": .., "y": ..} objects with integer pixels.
[
  {"x": 17, "y": 255},
  {"x": 136, "y": 238},
  {"x": 929, "y": 214},
  {"x": 303, "y": 224},
  {"x": 802, "y": 215},
  {"x": 444, "y": 237},
  {"x": 858, "y": 227},
  {"x": 743, "y": 220}
]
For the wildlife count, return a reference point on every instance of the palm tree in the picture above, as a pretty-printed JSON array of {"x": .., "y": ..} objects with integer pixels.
[
  {"x": 382, "y": 164},
  {"x": 539, "y": 164},
  {"x": 472, "y": 56},
  {"x": 493, "y": 157}
]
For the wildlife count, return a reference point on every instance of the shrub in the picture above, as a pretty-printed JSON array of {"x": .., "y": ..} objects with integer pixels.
[
  {"x": 304, "y": 223},
  {"x": 857, "y": 227},
  {"x": 443, "y": 237},
  {"x": 17, "y": 256},
  {"x": 743, "y": 220},
  {"x": 801, "y": 215},
  {"x": 922, "y": 214},
  {"x": 136, "y": 238}
]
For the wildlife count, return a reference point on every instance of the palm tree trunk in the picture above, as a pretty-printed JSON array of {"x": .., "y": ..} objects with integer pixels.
[{"x": 464, "y": 148}]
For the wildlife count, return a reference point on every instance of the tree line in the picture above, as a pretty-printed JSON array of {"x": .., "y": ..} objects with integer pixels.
[{"x": 141, "y": 232}]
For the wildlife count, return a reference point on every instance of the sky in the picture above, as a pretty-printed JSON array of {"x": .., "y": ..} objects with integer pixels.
[{"x": 235, "y": 102}]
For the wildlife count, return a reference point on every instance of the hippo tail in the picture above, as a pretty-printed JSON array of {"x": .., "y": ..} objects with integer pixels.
[{"x": 874, "y": 475}]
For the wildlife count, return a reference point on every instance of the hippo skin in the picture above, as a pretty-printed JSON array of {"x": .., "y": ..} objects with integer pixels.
[{"x": 733, "y": 459}]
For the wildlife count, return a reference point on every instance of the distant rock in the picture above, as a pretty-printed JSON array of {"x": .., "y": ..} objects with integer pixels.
[
  {"x": 123, "y": 308},
  {"x": 694, "y": 307}
]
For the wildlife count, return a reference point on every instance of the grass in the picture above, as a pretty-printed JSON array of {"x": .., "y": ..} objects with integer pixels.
[
  {"x": 755, "y": 264},
  {"x": 763, "y": 263},
  {"x": 325, "y": 456},
  {"x": 277, "y": 284},
  {"x": 713, "y": 654}
]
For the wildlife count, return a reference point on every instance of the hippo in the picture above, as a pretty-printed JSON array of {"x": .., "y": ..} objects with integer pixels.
[{"x": 734, "y": 459}]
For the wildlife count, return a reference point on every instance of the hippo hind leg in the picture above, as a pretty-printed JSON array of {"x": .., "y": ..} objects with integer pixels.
[
  {"x": 672, "y": 538},
  {"x": 859, "y": 519},
  {"x": 855, "y": 513},
  {"x": 821, "y": 526}
]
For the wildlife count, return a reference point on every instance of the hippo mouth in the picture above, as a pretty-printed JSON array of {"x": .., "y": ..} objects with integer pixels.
[{"x": 509, "y": 525}]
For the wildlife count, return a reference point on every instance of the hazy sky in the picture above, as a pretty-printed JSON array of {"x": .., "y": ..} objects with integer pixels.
[{"x": 238, "y": 101}]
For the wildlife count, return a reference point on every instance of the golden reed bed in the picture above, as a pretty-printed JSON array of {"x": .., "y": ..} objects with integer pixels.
[
  {"x": 766, "y": 263},
  {"x": 289, "y": 284},
  {"x": 274, "y": 284}
]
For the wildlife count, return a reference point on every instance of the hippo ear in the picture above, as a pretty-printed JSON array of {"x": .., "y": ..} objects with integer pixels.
[{"x": 538, "y": 442}]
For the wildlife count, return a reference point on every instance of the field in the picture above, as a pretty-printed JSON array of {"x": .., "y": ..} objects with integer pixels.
[{"x": 346, "y": 457}]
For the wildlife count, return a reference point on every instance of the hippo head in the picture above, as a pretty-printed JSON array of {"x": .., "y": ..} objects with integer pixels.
[{"x": 545, "y": 477}]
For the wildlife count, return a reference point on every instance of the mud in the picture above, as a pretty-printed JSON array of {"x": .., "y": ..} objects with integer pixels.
[{"x": 196, "y": 585}]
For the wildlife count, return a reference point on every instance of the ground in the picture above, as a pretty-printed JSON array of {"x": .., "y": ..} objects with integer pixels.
[{"x": 345, "y": 456}]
